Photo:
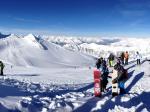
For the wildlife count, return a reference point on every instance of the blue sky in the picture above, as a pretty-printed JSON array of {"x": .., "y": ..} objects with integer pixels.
[{"x": 76, "y": 17}]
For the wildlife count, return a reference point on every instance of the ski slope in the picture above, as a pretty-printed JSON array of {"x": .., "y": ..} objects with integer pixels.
[
  {"x": 67, "y": 90},
  {"x": 29, "y": 51}
]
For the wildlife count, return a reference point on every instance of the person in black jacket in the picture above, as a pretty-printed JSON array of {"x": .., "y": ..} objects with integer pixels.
[
  {"x": 121, "y": 78},
  {"x": 1, "y": 67},
  {"x": 104, "y": 76},
  {"x": 122, "y": 58},
  {"x": 99, "y": 62}
]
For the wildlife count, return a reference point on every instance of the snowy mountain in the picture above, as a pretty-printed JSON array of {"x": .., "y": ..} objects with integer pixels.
[
  {"x": 96, "y": 47},
  {"x": 42, "y": 75},
  {"x": 57, "y": 51},
  {"x": 3, "y": 36},
  {"x": 32, "y": 51},
  {"x": 102, "y": 46}
]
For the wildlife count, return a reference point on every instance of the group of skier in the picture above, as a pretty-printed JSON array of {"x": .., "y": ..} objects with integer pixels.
[
  {"x": 118, "y": 64},
  {"x": 124, "y": 57},
  {"x": 120, "y": 79}
]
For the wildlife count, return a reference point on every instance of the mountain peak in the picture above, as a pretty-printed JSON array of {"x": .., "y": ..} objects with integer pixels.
[
  {"x": 30, "y": 35},
  {"x": 12, "y": 35}
]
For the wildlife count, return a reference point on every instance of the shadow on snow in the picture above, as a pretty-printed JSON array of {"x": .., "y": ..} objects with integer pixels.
[
  {"x": 12, "y": 90},
  {"x": 26, "y": 75}
]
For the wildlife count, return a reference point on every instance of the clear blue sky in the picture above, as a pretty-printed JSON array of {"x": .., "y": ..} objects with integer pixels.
[{"x": 76, "y": 17}]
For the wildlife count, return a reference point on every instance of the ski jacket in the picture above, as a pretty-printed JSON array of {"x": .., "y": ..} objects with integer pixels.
[
  {"x": 122, "y": 56},
  {"x": 138, "y": 56},
  {"x": 111, "y": 57},
  {"x": 98, "y": 63},
  {"x": 104, "y": 69},
  {"x": 105, "y": 72},
  {"x": 126, "y": 55},
  {"x": 2, "y": 65}
]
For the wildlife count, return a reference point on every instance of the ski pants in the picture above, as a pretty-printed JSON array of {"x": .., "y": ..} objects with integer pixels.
[
  {"x": 126, "y": 61},
  {"x": 138, "y": 61},
  {"x": 1, "y": 71},
  {"x": 122, "y": 61}
]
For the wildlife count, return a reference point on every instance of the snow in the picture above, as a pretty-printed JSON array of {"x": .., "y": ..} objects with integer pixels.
[
  {"x": 41, "y": 76},
  {"x": 29, "y": 51},
  {"x": 101, "y": 46},
  {"x": 72, "y": 93}
]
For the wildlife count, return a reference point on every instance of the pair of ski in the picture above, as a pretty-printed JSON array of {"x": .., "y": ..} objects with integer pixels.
[{"x": 97, "y": 83}]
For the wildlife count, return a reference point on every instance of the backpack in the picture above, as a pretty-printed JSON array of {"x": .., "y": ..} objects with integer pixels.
[{"x": 123, "y": 72}]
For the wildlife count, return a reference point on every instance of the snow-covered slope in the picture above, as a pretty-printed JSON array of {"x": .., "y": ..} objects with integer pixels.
[
  {"x": 67, "y": 90},
  {"x": 40, "y": 46},
  {"x": 41, "y": 76},
  {"x": 31, "y": 51}
]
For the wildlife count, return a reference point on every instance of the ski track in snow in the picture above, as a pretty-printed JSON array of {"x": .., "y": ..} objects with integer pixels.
[{"x": 27, "y": 94}]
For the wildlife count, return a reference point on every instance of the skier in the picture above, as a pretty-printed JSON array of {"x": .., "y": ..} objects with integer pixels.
[
  {"x": 121, "y": 78},
  {"x": 1, "y": 67},
  {"x": 122, "y": 58},
  {"x": 138, "y": 57},
  {"x": 126, "y": 56},
  {"x": 111, "y": 59},
  {"x": 104, "y": 76}
]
